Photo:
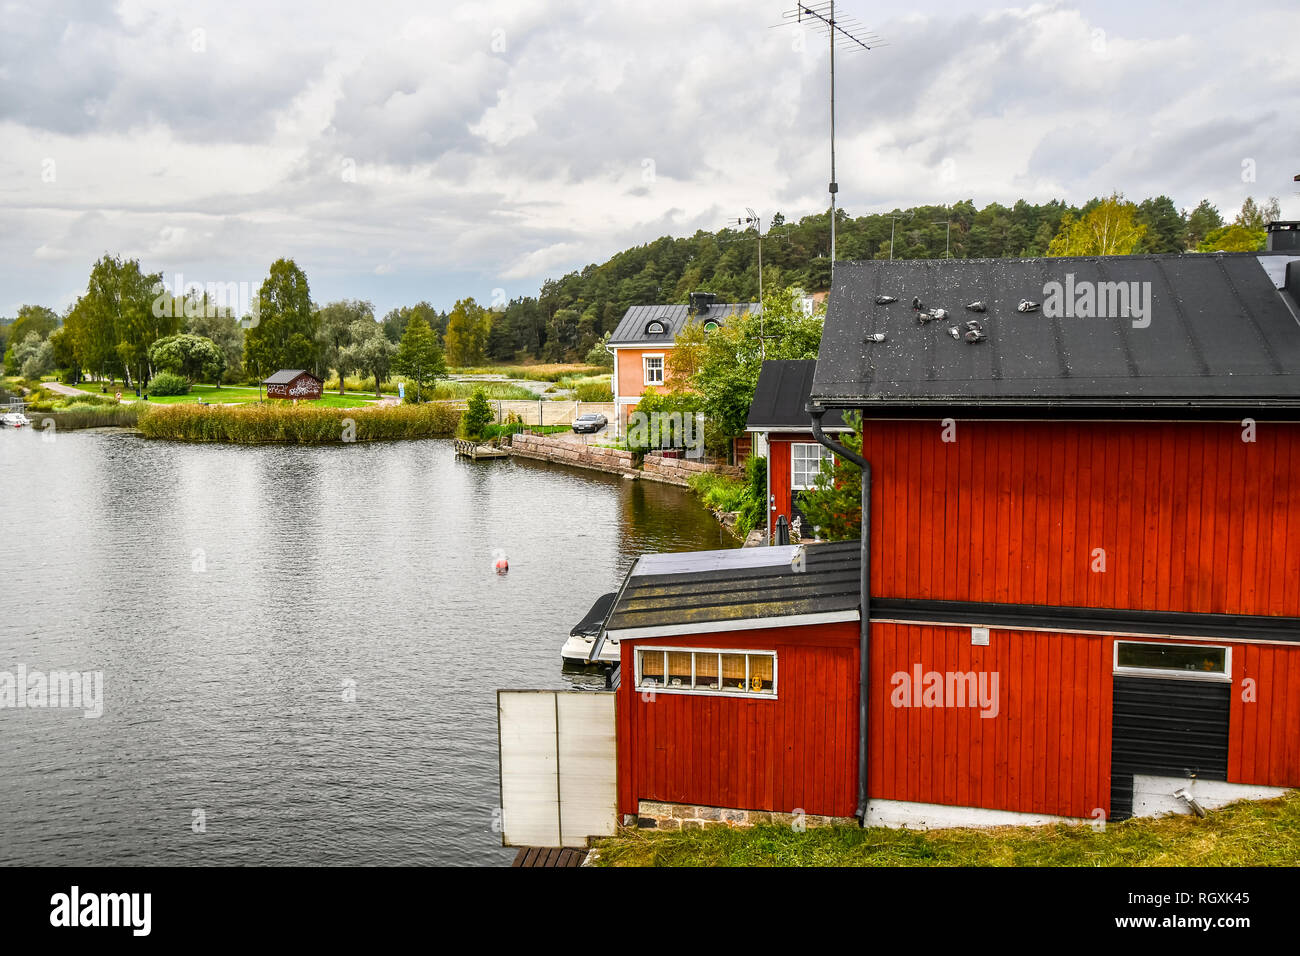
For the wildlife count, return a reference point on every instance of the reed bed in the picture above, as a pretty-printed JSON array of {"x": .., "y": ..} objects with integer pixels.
[
  {"x": 82, "y": 415},
  {"x": 302, "y": 425}
]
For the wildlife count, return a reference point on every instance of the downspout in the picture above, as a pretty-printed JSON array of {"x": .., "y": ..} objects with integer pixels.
[{"x": 864, "y": 599}]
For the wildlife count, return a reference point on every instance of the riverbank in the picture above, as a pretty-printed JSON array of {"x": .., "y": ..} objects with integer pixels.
[
  {"x": 1250, "y": 833},
  {"x": 286, "y": 424}
]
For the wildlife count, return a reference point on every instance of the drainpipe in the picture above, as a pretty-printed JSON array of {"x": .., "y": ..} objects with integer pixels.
[{"x": 864, "y": 599}]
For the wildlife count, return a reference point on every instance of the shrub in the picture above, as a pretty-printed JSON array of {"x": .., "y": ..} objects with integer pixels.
[
  {"x": 478, "y": 415},
  {"x": 593, "y": 391},
  {"x": 169, "y": 383}
]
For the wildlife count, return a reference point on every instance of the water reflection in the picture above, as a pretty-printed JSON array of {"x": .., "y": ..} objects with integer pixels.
[{"x": 322, "y": 682}]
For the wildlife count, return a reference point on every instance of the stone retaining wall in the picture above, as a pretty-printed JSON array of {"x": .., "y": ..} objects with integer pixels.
[
  {"x": 677, "y": 470},
  {"x": 681, "y": 816},
  {"x": 566, "y": 451}
]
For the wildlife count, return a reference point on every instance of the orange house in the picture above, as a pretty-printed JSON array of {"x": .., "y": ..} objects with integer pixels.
[{"x": 646, "y": 336}]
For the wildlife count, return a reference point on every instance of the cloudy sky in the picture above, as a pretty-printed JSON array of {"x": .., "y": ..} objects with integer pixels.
[{"x": 403, "y": 151}]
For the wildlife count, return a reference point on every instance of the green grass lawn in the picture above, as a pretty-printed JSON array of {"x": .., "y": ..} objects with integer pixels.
[
  {"x": 1249, "y": 833},
  {"x": 228, "y": 394}
]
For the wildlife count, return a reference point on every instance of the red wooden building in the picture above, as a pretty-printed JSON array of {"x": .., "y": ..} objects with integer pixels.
[
  {"x": 293, "y": 383},
  {"x": 1081, "y": 578},
  {"x": 782, "y": 432}
]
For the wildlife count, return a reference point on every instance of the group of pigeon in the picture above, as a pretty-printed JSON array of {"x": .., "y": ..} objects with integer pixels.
[{"x": 971, "y": 331}]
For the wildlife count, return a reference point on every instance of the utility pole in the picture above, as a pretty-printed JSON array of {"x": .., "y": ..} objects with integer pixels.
[
  {"x": 849, "y": 35},
  {"x": 893, "y": 221}
]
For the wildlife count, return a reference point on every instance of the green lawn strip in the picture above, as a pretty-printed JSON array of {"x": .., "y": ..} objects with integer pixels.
[{"x": 1249, "y": 833}]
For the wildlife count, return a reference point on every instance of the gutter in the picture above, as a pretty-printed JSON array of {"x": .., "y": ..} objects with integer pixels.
[{"x": 864, "y": 598}]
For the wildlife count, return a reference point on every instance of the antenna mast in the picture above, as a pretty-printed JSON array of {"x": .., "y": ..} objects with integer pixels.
[{"x": 850, "y": 36}]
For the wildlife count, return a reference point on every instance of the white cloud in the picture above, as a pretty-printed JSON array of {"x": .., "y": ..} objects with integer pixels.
[{"x": 397, "y": 151}]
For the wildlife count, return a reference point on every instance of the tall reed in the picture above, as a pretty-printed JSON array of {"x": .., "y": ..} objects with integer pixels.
[{"x": 300, "y": 424}]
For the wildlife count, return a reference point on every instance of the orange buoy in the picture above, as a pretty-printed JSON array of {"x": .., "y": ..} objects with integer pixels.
[{"x": 502, "y": 565}]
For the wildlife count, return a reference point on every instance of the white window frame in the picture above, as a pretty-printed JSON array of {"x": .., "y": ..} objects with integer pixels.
[
  {"x": 824, "y": 454},
  {"x": 1166, "y": 673},
  {"x": 702, "y": 691},
  {"x": 645, "y": 368}
]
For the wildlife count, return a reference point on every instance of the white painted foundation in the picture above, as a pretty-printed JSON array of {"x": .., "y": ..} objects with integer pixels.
[
  {"x": 935, "y": 816},
  {"x": 1154, "y": 796}
]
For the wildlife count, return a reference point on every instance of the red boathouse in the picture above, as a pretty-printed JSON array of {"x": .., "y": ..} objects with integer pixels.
[{"x": 1081, "y": 579}]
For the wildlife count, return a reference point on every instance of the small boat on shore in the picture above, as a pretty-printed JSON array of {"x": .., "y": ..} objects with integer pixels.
[
  {"x": 15, "y": 420},
  {"x": 584, "y": 634}
]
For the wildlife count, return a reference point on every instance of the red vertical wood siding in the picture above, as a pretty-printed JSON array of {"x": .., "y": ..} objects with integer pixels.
[
  {"x": 1189, "y": 516},
  {"x": 1264, "y": 733},
  {"x": 1047, "y": 750},
  {"x": 797, "y": 752}
]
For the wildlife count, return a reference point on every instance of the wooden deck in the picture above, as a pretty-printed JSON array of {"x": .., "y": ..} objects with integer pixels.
[
  {"x": 474, "y": 450},
  {"x": 549, "y": 856}
]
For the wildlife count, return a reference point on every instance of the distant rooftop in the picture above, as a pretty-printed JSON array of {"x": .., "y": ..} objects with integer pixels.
[{"x": 636, "y": 326}]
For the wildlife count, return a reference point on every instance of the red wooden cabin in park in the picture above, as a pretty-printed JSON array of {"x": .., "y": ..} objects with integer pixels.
[
  {"x": 293, "y": 383},
  {"x": 1079, "y": 595}
]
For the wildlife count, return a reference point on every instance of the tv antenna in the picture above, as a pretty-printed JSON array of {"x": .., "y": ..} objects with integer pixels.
[{"x": 851, "y": 37}]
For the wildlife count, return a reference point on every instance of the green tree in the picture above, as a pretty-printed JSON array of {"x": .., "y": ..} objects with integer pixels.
[
  {"x": 1110, "y": 228},
  {"x": 335, "y": 333},
  {"x": 192, "y": 356},
  {"x": 1166, "y": 227},
  {"x": 1255, "y": 216},
  {"x": 733, "y": 354},
  {"x": 34, "y": 356},
  {"x": 833, "y": 506},
  {"x": 419, "y": 357},
  {"x": 1202, "y": 221},
  {"x": 599, "y": 355},
  {"x": 128, "y": 310},
  {"x": 284, "y": 335},
  {"x": 33, "y": 318},
  {"x": 221, "y": 326},
  {"x": 1234, "y": 237},
  {"x": 371, "y": 353},
  {"x": 477, "y": 417},
  {"x": 468, "y": 326},
  {"x": 65, "y": 354}
]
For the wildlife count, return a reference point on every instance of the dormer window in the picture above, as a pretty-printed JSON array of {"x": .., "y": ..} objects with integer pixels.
[{"x": 655, "y": 327}]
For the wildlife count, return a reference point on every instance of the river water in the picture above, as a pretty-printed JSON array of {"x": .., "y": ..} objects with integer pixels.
[{"x": 300, "y": 647}]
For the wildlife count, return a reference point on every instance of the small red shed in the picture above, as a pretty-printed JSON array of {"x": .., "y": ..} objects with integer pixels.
[
  {"x": 291, "y": 383},
  {"x": 779, "y": 425}
]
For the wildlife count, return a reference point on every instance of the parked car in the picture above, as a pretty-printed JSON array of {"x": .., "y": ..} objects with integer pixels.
[{"x": 590, "y": 422}]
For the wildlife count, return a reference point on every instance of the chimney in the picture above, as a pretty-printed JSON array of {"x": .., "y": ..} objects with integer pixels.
[
  {"x": 1283, "y": 236},
  {"x": 1292, "y": 284},
  {"x": 701, "y": 302}
]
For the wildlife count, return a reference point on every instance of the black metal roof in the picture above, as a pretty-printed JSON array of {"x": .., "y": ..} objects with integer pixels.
[
  {"x": 781, "y": 398},
  {"x": 287, "y": 375},
  {"x": 1220, "y": 334},
  {"x": 741, "y": 584},
  {"x": 631, "y": 329}
]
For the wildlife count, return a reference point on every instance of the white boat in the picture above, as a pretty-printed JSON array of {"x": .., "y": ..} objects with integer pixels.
[
  {"x": 15, "y": 420},
  {"x": 577, "y": 648}
]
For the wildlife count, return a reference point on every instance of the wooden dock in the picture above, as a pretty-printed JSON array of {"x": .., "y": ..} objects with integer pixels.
[
  {"x": 549, "y": 856},
  {"x": 476, "y": 451}
]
